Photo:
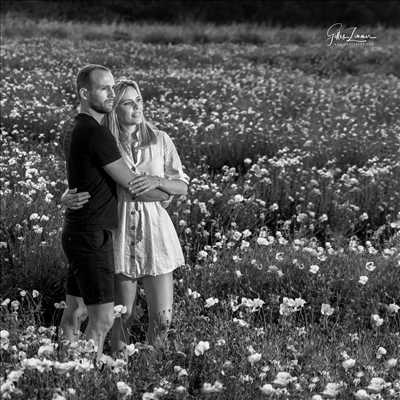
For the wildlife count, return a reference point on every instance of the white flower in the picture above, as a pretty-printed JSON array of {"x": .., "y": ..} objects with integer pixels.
[
  {"x": 211, "y": 301},
  {"x": 119, "y": 309},
  {"x": 193, "y": 293},
  {"x": 267, "y": 389},
  {"x": 332, "y": 389},
  {"x": 314, "y": 269},
  {"x": 58, "y": 396},
  {"x": 241, "y": 322},
  {"x": 202, "y": 255},
  {"x": 4, "y": 334},
  {"x": 253, "y": 358},
  {"x": 47, "y": 350},
  {"x": 381, "y": 352},
  {"x": 131, "y": 349},
  {"x": 15, "y": 375},
  {"x": 149, "y": 396},
  {"x": 5, "y": 302},
  {"x": 323, "y": 218},
  {"x": 238, "y": 198},
  {"x": 60, "y": 305},
  {"x": 376, "y": 320},
  {"x": 215, "y": 388},
  {"x": 181, "y": 371},
  {"x": 393, "y": 308},
  {"x": 124, "y": 389},
  {"x": 364, "y": 216},
  {"x": 201, "y": 347},
  {"x": 35, "y": 293},
  {"x": 274, "y": 207},
  {"x": 376, "y": 385},
  {"x": 84, "y": 365},
  {"x": 34, "y": 217},
  {"x": 238, "y": 274},
  {"x": 261, "y": 241},
  {"x": 236, "y": 235},
  {"x": 349, "y": 363},
  {"x": 15, "y": 305},
  {"x": 236, "y": 258},
  {"x": 245, "y": 378},
  {"x": 289, "y": 306},
  {"x": 246, "y": 233},
  {"x": 48, "y": 198},
  {"x": 244, "y": 244},
  {"x": 362, "y": 395},
  {"x": 252, "y": 305},
  {"x": 63, "y": 367},
  {"x": 370, "y": 266},
  {"x": 283, "y": 379},
  {"x": 392, "y": 362},
  {"x": 180, "y": 389},
  {"x": 326, "y": 309},
  {"x": 363, "y": 280}
]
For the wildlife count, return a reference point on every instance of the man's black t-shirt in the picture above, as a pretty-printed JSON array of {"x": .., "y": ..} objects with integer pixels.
[{"x": 91, "y": 146}]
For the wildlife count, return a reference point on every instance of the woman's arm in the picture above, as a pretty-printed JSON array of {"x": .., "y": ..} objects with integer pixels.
[
  {"x": 73, "y": 200},
  {"x": 173, "y": 186},
  {"x": 150, "y": 195},
  {"x": 143, "y": 183}
]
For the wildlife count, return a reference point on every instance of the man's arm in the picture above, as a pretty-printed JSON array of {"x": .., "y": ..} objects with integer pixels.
[{"x": 120, "y": 173}]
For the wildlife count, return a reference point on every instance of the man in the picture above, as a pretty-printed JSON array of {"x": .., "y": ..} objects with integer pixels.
[{"x": 94, "y": 164}]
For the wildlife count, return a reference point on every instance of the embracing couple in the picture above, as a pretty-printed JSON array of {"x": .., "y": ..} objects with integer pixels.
[{"x": 122, "y": 172}]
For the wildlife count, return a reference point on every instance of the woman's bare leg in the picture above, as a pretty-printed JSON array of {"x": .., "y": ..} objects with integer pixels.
[
  {"x": 125, "y": 294},
  {"x": 159, "y": 296}
]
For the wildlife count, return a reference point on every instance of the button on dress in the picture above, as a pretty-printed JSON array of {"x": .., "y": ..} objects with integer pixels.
[{"x": 146, "y": 242}]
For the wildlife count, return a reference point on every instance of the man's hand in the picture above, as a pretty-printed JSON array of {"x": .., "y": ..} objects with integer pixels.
[
  {"x": 73, "y": 200},
  {"x": 143, "y": 183}
]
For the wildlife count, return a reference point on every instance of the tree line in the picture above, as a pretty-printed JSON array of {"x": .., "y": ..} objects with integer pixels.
[{"x": 282, "y": 13}]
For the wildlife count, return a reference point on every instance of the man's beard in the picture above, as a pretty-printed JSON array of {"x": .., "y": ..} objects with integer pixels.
[{"x": 100, "y": 108}]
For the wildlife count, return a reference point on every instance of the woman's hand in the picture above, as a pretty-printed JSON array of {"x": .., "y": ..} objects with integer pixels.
[
  {"x": 143, "y": 183},
  {"x": 73, "y": 200}
]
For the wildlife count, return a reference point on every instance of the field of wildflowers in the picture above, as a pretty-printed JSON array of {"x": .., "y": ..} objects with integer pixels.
[{"x": 290, "y": 229}]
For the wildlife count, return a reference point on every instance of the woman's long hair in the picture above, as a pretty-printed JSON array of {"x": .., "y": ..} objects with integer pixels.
[{"x": 147, "y": 133}]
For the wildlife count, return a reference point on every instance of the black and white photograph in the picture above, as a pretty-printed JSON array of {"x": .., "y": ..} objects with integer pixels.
[{"x": 200, "y": 200}]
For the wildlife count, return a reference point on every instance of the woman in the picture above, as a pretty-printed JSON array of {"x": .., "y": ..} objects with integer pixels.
[{"x": 146, "y": 245}]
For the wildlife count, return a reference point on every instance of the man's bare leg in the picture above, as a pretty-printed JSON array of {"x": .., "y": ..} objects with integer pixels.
[
  {"x": 101, "y": 319},
  {"x": 73, "y": 316}
]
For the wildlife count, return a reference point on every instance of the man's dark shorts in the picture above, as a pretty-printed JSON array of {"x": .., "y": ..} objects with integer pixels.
[{"x": 91, "y": 265}]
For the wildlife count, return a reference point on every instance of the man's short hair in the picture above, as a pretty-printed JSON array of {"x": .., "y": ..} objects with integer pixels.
[{"x": 83, "y": 77}]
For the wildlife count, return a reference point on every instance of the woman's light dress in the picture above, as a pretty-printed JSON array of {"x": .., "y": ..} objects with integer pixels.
[{"x": 146, "y": 242}]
